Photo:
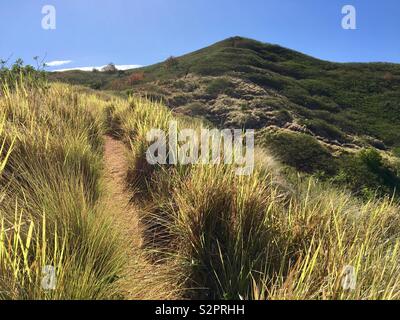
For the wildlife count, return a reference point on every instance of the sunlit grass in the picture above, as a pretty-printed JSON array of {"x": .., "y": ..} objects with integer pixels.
[
  {"x": 258, "y": 237},
  {"x": 50, "y": 212},
  {"x": 221, "y": 236}
]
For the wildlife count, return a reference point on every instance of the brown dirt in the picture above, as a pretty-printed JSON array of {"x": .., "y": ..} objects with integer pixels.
[
  {"x": 144, "y": 279},
  {"x": 116, "y": 168}
]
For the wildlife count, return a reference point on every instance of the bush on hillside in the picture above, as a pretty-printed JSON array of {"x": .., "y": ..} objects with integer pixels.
[
  {"x": 178, "y": 100},
  {"x": 110, "y": 68},
  {"x": 300, "y": 151},
  {"x": 219, "y": 86},
  {"x": 267, "y": 80},
  {"x": 317, "y": 87},
  {"x": 19, "y": 73},
  {"x": 324, "y": 129},
  {"x": 135, "y": 78},
  {"x": 367, "y": 174},
  {"x": 96, "y": 85},
  {"x": 195, "y": 109},
  {"x": 171, "y": 62}
]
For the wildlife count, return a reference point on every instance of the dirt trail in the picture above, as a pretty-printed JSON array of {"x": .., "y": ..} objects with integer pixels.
[
  {"x": 144, "y": 280},
  {"x": 116, "y": 169}
]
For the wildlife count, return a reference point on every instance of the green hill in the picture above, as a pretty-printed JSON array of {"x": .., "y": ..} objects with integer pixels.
[
  {"x": 85, "y": 215},
  {"x": 333, "y": 110},
  {"x": 356, "y": 98}
]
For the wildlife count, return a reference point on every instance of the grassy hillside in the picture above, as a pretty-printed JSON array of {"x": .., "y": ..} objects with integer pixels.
[
  {"x": 335, "y": 111},
  {"x": 257, "y": 236},
  {"x": 53, "y": 207},
  {"x": 219, "y": 235},
  {"x": 352, "y": 98},
  {"x": 50, "y": 187}
]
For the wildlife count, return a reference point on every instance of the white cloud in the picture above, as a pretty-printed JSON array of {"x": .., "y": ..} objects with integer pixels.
[
  {"x": 57, "y": 63},
  {"x": 119, "y": 67},
  {"x": 128, "y": 66}
]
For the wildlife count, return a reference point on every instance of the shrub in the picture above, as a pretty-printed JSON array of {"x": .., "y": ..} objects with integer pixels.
[
  {"x": 171, "y": 62},
  {"x": 110, "y": 68},
  {"x": 196, "y": 109},
  {"x": 324, "y": 129},
  {"x": 178, "y": 100},
  {"x": 317, "y": 87},
  {"x": 135, "y": 77},
  {"x": 96, "y": 85},
  {"x": 244, "y": 119},
  {"x": 283, "y": 116},
  {"x": 300, "y": 151},
  {"x": 18, "y": 73},
  {"x": 368, "y": 174},
  {"x": 296, "y": 94},
  {"x": 268, "y": 81},
  {"x": 219, "y": 86}
]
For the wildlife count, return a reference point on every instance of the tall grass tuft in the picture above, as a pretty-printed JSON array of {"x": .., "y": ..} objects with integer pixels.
[{"x": 50, "y": 208}]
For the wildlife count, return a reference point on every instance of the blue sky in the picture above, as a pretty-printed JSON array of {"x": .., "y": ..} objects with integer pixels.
[{"x": 126, "y": 32}]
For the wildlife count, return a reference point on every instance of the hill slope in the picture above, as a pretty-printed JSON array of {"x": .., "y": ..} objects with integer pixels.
[
  {"x": 261, "y": 78},
  {"x": 74, "y": 200},
  {"x": 288, "y": 96}
]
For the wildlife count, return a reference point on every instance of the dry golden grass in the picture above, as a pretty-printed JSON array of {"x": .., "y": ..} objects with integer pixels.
[
  {"x": 206, "y": 232},
  {"x": 259, "y": 237},
  {"x": 53, "y": 206}
]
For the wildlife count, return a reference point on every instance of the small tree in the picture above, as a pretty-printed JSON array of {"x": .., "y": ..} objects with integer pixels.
[
  {"x": 135, "y": 77},
  {"x": 18, "y": 72},
  {"x": 110, "y": 68},
  {"x": 171, "y": 62}
]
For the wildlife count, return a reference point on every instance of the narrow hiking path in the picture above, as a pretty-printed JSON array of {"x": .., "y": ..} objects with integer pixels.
[
  {"x": 116, "y": 169},
  {"x": 144, "y": 279}
]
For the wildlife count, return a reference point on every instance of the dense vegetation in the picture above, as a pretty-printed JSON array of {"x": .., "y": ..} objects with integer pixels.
[
  {"x": 257, "y": 236},
  {"x": 224, "y": 236},
  {"x": 53, "y": 207},
  {"x": 366, "y": 173},
  {"x": 343, "y": 108},
  {"x": 272, "y": 235},
  {"x": 351, "y": 97},
  {"x": 50, "y": 186}
]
